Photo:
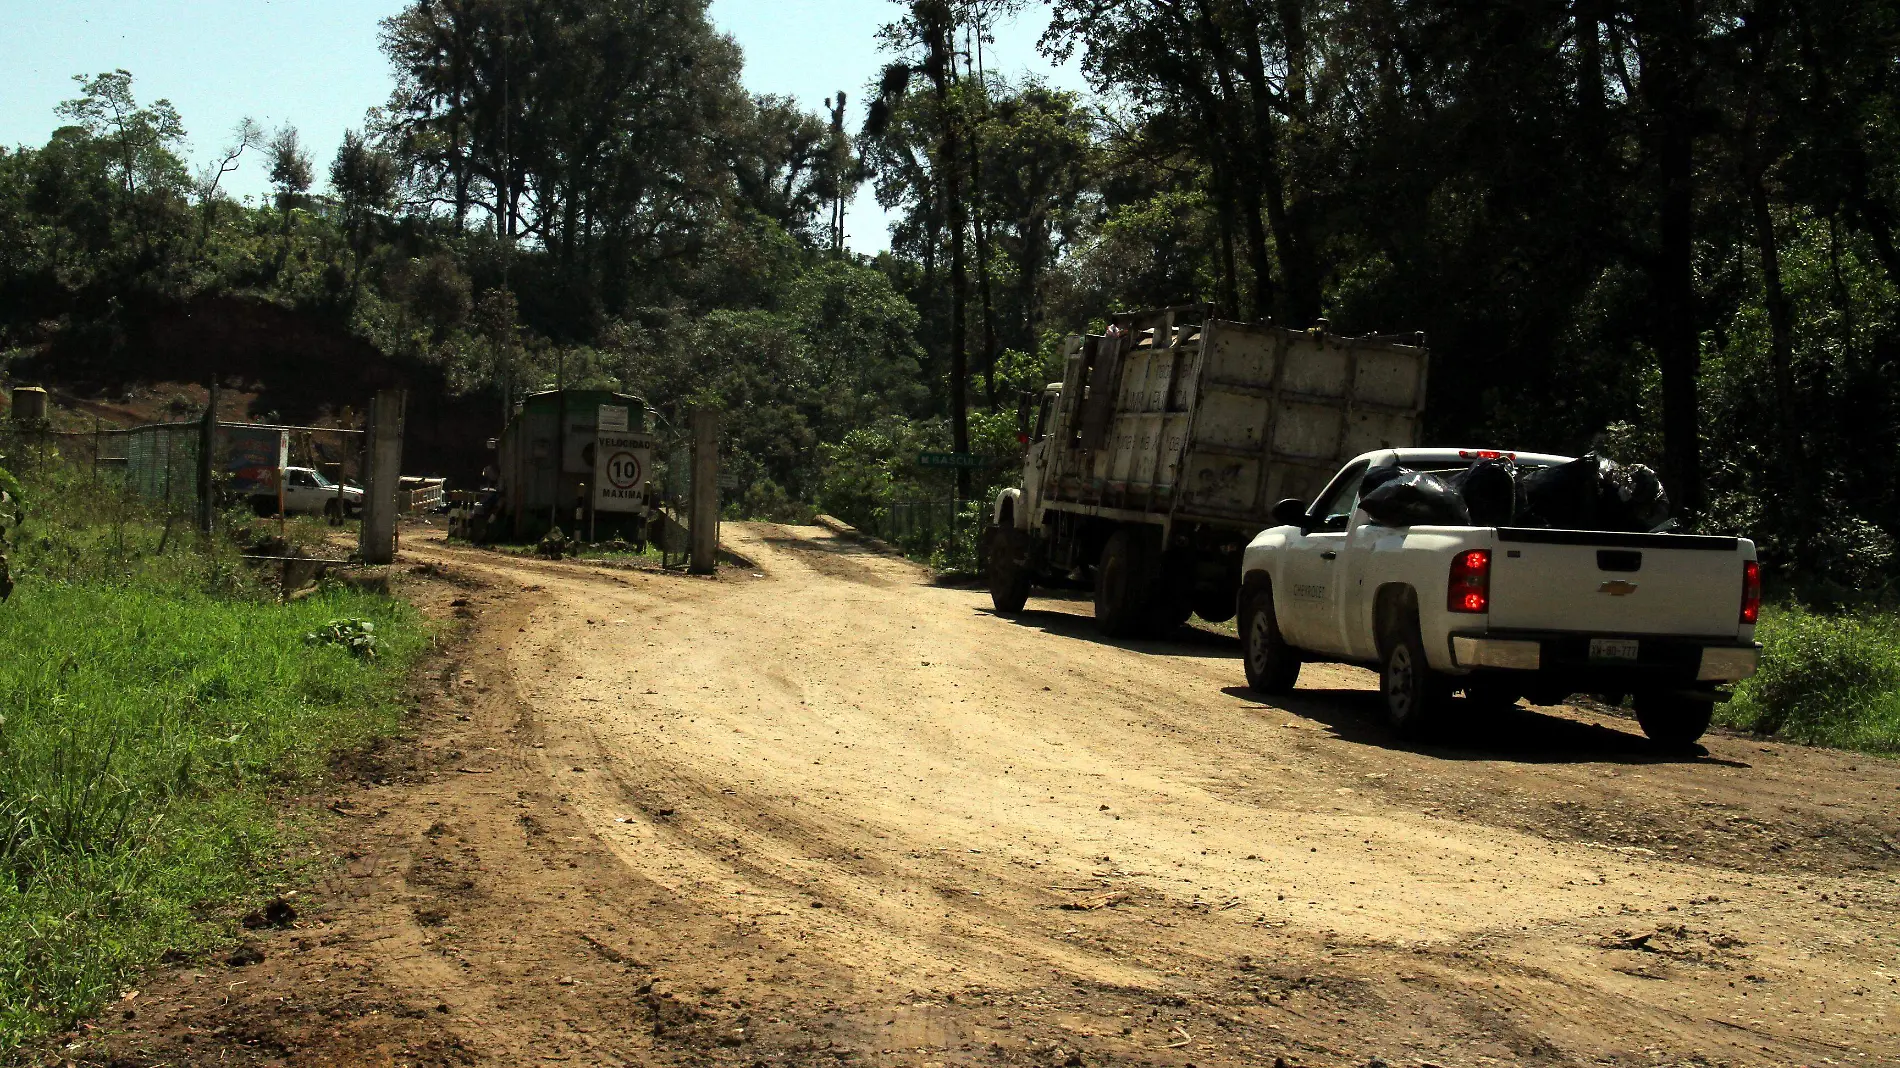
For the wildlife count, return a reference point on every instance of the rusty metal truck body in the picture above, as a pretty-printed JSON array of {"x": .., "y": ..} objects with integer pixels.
[{"x": 1166, "y": 446}]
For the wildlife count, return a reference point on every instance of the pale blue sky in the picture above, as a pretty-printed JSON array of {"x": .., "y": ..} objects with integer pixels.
[{"x": 315, "y": 63}]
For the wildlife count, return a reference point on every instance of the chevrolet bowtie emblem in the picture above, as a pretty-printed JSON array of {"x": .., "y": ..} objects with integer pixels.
[{"x": 1617, "y": 588}]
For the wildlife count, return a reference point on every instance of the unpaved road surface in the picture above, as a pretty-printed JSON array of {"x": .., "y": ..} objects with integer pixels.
[{"x": 820, "y": 811}]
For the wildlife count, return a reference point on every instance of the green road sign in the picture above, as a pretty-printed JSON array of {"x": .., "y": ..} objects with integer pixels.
[{"x": 951, "y": 459}]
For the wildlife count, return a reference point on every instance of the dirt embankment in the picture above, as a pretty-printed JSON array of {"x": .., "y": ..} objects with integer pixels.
[{"x": 824, "y": 812}]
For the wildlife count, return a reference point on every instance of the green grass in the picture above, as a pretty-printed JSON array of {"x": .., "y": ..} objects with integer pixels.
[
  {"x": 1826, "y": 679},
  {"x": 603, "y": 551},
  {"x": 158, "y": 710}
]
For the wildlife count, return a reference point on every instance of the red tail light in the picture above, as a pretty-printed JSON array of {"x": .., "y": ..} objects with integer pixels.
[
  {"x": 1469, "y": 589},
  {"x": 1751, "y": 591}
]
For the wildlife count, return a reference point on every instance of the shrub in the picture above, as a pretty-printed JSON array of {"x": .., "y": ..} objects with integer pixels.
[{"x": 1828, "y": 679}]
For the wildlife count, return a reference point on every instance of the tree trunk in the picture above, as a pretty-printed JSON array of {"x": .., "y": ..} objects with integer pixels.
[
  {"x": 1665, "y": 30},
  {"x": 1224, "y": 220},
  {"x": 1291, "y": 221},
  {"x": 1761, "y": 27},
  {"x": 939, "y": 64},
  {"x": 978, "y": 199},
  {"x": 1780, "y": 323},
  {"x": 1248, "y": 179}
]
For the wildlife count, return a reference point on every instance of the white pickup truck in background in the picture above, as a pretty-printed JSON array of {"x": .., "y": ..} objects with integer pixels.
[
  {"x": 306, "y": 491},
  {"x": 1500, "y": 612}
]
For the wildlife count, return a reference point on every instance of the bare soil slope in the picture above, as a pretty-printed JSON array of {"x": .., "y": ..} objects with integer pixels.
[{"x": 824, "y": 812}]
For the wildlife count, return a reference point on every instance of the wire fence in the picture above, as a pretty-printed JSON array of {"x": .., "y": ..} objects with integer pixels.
[{"x": 933, "y": 529}]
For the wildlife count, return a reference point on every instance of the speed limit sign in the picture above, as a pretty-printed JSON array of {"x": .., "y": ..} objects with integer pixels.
[
  {"x": 624, "y": 469},
  {"x": 621, "y": 465}
]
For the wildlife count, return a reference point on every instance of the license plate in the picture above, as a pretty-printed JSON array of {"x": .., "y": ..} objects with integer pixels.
[{"x": 1613, "y": 648}]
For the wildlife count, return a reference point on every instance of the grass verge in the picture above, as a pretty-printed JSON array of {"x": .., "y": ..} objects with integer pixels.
[
  {"x": 1826, "y": 679},
  {"x": 155, "y": 710}
]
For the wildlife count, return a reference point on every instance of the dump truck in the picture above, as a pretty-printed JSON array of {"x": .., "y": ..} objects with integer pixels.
[{"x": 1165, "y": 447}]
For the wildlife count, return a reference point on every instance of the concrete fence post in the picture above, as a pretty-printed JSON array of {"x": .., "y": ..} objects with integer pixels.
[
  {"x": 384, "y": 476},
  {"x": 704, "y": 513},
  {"x": 208, "y": 463}
]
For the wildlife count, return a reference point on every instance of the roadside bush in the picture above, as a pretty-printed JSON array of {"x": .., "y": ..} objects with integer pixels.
[{"x": 1825, "y": 679}]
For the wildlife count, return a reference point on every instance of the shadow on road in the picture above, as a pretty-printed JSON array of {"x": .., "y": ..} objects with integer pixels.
[
  {"x": 1524, "y": 735},
  {"x": 1182, "y": 641},
  {"x": 833, "y": 546}
]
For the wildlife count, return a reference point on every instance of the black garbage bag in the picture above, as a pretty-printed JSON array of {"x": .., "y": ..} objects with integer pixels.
[
  {"x": 1489, "y": 489},
  {"x": 1633, "y": 499},
  {"x": 1593, "y": 493},
  {"x": 1382, "y": 471},
  {"x": 1414, "y": 498},
  {"x": 1563, "y": 497}
]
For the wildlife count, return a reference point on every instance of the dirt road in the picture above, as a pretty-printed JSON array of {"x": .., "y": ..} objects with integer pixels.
[{"x": 821, "y": 811}]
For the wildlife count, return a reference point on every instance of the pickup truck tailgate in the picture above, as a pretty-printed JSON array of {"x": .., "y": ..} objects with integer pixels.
[{"x": 1608, "y": 583}]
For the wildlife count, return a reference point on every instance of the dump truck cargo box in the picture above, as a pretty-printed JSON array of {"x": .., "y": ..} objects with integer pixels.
[{"x": 1201, "y": 419}]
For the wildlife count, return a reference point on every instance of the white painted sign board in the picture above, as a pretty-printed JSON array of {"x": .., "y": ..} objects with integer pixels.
[
  {"x": 613, "y": 417},
  {"x": 622, "y": 465}
]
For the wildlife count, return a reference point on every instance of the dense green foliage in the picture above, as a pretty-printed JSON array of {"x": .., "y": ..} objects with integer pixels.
[
  {"x": 1666, "y": 229},
  {"x": 1825, "y": 680},
  {"x": 151, "y": 705},
  {"x": 1663, "y": 225}
]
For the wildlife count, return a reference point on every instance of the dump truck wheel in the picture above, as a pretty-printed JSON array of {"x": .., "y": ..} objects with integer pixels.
[
  {"x": 1673, "y": 721},
  {"x": 1122, "y": 579},
  {"x": 1271, "y": 664},
  {"x": 1008, "y": 574}
]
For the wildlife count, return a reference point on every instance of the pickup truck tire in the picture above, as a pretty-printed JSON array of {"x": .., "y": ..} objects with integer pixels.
[
  {"x": 1271, "y": 664},
  {"x": 1673, "y": 721},
  {"x": 1415, "y": 695},
  {"x": 1124, "y": 602},
  {"x": 1008, "y": 575}
]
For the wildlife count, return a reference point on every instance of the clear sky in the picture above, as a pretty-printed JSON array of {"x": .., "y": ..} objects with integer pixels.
[{"x": 315, "y": 64}]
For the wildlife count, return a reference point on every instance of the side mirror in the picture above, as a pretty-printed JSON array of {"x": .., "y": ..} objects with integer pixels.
[{"x": 1290, "y": 512}]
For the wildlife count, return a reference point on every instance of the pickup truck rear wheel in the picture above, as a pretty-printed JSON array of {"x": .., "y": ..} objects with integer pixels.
[
  {"x": 1008, "y": 573},
  {"x": 1124, "y": 577},
  {"x": 1673, "y": 721},
  {"x": 1415, "y": 695},
  {"x": 1272, "y": 665}
]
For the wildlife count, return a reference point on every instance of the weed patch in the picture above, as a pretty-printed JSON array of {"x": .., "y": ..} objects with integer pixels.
[
  {"x": 1826, "y": 679},
  {"x": 154, "y": 705}
]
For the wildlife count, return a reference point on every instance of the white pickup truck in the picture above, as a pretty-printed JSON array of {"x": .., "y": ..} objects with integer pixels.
[
  {"x": 1499, "y": 612},
  {"x": 307, "y": 491}
]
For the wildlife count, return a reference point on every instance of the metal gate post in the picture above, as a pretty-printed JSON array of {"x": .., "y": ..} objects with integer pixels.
[
  {"x": 378, "y": 537},
  {"x": 704, "y": 521}
]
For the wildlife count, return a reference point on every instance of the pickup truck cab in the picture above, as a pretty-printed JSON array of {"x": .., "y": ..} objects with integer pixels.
[{"x": 1499, "y": 612}]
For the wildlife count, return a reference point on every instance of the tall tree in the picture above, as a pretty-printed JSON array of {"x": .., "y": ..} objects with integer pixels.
[{"x": 290, "y": 176}]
